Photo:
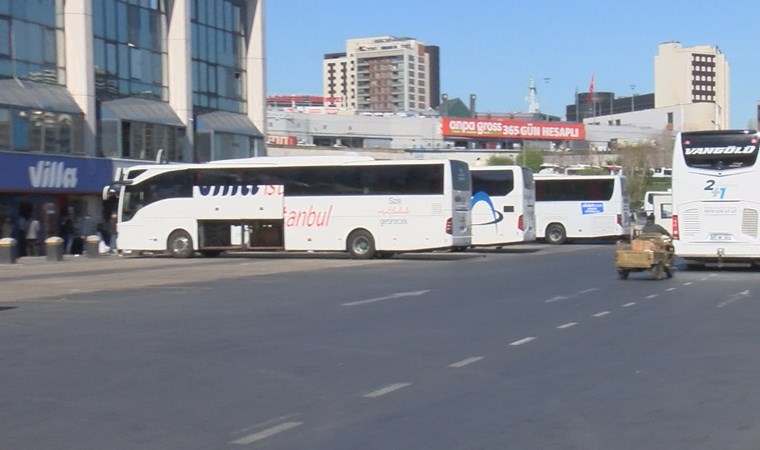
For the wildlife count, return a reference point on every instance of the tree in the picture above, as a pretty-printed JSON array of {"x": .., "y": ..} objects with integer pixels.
[
  {"x": 635, "y": 163},
  {"x": 531, "y": 159},
  {"x": 500, "y": 160}
]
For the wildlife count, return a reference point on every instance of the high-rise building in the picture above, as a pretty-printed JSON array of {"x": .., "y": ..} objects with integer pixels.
[
  {"x": 88, "y": 86},
  {"x": 383, "y": 74},
  {"x": 698, "y": 76}
]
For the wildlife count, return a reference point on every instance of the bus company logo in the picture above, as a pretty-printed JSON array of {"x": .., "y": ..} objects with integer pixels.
[
  {"x": 482, "y": 197},
  {"x": 225, "y": 191},
  {"x": 728, "y": 150},
  {"x": 52, "y": 174}
]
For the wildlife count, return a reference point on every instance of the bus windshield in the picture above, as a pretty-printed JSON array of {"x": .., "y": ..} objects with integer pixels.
[{"x": 713, "y": 151}]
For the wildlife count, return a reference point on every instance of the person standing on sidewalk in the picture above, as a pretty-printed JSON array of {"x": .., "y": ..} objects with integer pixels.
[
  {"x": 33, "y": 237},
  {"x": 111, "y": 231}
]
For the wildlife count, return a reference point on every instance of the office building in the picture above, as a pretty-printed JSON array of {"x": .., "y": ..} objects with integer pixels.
[
  {"x": 89, "y": 86},
  {"x": 695, "y": 76},
  {"x": 691, "y": 92}
]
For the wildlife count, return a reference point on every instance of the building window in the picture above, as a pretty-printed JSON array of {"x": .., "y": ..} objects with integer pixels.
[
  {"x": 31, "y": 40},
  {"x": 50, "y": 132},
  {"x": 144, "y": 140},
  {"x": 129, "y": 49},
  {"x": 218, "y": 53}
]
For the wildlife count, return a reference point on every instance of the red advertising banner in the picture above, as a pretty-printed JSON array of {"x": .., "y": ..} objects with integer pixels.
[
  {"x": 285, "y": 141},
  {"x": 512, "y": 129}
]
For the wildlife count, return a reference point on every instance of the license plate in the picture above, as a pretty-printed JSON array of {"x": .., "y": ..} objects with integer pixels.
[{"x": 721, "y": 237}]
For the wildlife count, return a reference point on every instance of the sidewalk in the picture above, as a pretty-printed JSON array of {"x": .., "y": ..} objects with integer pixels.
[
  {"x": 40, "y": 267},
  {"x": 36, "y": 278}
]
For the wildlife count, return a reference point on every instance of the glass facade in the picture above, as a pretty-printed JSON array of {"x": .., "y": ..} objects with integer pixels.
[
  {"x": 31, "y": 40},
  {"x": 28, "y": 130},
  {"x": 139, "y": 140},
  {"x": 223, "y": 145},
  {"x": 130, "y": 48},
  {"x": 218, "y": 50}
]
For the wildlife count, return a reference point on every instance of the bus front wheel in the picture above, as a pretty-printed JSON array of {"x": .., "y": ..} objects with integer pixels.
[
  {"x": 555, "y": 234},
  {"x": 180, "y": 244},
  {"x": 361, "y": 244}
]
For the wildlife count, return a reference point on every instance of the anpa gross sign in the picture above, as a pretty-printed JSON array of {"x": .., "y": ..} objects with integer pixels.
[{"x": 512, "y": 129}]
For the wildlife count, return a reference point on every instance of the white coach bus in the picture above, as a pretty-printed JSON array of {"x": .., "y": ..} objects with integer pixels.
[
  {"x": 503, "y": 205},
  {"x": 359, "y": 205},
  {"x": 581, "y": 206},
  {"x": 716, "y": 196}
]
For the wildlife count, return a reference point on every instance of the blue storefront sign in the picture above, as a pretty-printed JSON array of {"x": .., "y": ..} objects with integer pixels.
[{"x": 22, "y": 172}]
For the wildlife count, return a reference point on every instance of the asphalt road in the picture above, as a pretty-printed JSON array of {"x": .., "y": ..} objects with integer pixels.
[{"x": 531, "y": 347}]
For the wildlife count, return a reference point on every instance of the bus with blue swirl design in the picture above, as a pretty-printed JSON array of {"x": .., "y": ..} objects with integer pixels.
[
  {"x": 503, "y": 205},
  {"x": 355, "y": 204}
]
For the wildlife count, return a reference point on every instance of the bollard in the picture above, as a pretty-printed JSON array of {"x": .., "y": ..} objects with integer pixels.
[
  {"x": 92, "y": 246},
  {"x": 54, "y": 248},
  {"x": 7, "y": 251}
]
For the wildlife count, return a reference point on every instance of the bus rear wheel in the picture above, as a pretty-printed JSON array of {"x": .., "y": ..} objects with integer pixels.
[
  {"x": 180, "y": 244},
  {"x": 360, "y": 244},
  {"x": 555, "y": 234}
]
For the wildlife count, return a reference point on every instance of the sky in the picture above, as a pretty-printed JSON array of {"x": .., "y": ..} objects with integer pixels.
[{"x": 492, "y": 48}]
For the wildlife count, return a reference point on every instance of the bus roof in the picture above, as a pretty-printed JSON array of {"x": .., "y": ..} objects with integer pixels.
[{"x": 559, "y": 176}]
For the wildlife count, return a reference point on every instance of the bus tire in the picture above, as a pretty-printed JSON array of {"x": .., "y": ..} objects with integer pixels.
[
  {"x": 180, "y": 244},
  {"x": 555, "y": 234},
  {"x": 360, "y": 244}
]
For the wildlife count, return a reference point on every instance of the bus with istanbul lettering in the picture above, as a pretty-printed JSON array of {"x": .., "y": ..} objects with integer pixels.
[
  {"x": 355, "y": 204},
  {"x": 716, "y": 204}
]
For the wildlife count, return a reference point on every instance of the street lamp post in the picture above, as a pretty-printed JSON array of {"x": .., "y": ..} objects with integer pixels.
[{"x": 633, "y": 95}]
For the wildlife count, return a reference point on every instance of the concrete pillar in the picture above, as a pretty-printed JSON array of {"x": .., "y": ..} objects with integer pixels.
[
  {"x": 179, "y": 66},
  {"x": 80, "y": 63},
  {"x": 255, "y": 65}
]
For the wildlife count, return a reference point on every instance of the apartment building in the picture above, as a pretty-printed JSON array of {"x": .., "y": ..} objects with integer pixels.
[{"x": 383, "y": 74}]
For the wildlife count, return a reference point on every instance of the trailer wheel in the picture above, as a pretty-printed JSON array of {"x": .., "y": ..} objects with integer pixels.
[
  {"x": 180, "y": 244},
  {"x": 658, "y": 271},
  {"x": 360, "y": 244},
  {"x": 555, "y": 234},
  {"x": 623, "y": 274}
]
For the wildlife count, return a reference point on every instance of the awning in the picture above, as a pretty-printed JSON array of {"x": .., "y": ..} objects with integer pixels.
[
  {"x": 227, "y": 122},
  {"x": 140, "y": 110},
  {"x": 38, "y": 96}
]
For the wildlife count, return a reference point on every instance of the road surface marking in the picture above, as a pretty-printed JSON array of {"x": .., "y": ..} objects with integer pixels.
[
  {"x": 386, "y": 390},
  {"x": 629, "y": 304},
  {"x": 586, "y": 291},
  {"x": 652, "y": 296},
  {"x": 387, "y": 297},
  {"x": 733, "y": 299},
  {"x": 250, "y": 439},
  {"x": 523, "y": 341},
  {"x": 687, "y": 284},
  {"x": 600, "y": 314},
  {"x": 466, "y": 362},
  {"x": 557, "y": 298},
  {"x": 670, "y": 289},
  {"x": 567, "y": 325}
]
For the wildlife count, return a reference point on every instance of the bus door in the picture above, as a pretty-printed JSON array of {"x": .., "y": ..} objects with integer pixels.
[{"x": 256, "y": 222}]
